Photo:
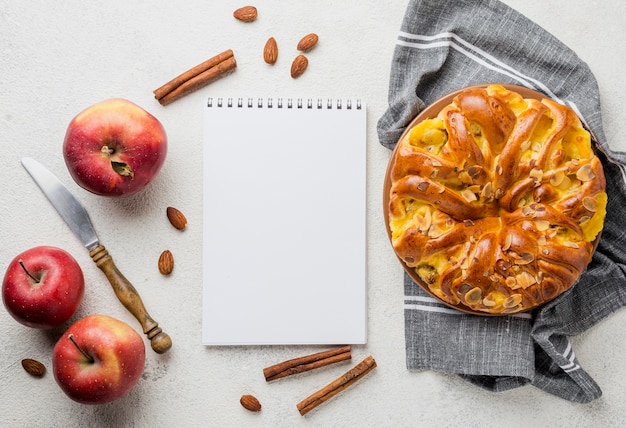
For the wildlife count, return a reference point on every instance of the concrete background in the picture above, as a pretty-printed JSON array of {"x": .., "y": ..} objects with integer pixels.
[{"x": 59, "y": 57}]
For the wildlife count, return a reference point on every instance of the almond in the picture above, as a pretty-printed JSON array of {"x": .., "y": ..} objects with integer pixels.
[
  {"x": 246, "y": 13},
  {"x": 308, "y": 42},
  {"x": 34, "y": 367},
  {"x": 177, "y": 218},
  {"x": 270, "y": 52},
  {"x": 298, "y": 66},
  {"x": 166, "y": 262},
  {"x": 250, "y": 402}
]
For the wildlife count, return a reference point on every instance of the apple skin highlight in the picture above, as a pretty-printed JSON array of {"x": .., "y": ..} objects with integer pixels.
[
  {"x": 101, "y": 362},
  {"x": 114, "y": 148},
  {"x": 43, "y": 287}
]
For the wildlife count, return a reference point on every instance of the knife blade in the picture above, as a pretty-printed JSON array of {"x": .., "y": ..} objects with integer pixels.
[{"x": 77, "y": 218}]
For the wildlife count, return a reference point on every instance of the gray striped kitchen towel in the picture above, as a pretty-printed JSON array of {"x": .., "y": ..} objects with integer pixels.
[{"x": 445, "y": 45}]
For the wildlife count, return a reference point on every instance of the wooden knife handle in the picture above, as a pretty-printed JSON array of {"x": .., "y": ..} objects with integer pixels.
[{"x": 127, "y": 294}]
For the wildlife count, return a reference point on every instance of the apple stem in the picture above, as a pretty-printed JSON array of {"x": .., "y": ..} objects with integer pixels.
[
  {"x": 82, "y": 351},
  {"x": 107, "y": 150},
  {"x": 21, "y": 262},
  {"x": 122, "y": 168}
]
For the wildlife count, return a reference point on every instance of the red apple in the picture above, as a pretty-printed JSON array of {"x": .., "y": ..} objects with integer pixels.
[
  {"x": 114, "y": 148},
  {"x": 43, "y": 287},
  {"x": 99, "y": 359}
]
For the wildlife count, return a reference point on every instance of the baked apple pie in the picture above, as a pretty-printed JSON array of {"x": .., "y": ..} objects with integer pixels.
[{"x": 497, "y": 202}]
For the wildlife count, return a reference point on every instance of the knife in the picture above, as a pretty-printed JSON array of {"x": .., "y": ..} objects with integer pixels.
[{"x": 78, "y": 220}]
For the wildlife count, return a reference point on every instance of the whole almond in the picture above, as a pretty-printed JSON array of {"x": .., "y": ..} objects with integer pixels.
[
  {"x": 250, "y": 402},
  {"x": 177, "y": 218},
  {"x": 34, "y": 367},
  {"x": 246, "y": 13},
  {"x": 308, "y": 42},
  {"x": 270, "y": 52},
  {"x": 299, "y": 64},
  {"x": 166, "y": 262}
]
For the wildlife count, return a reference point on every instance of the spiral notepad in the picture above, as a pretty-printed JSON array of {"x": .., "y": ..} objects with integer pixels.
[{"x": 284, "y": 240}]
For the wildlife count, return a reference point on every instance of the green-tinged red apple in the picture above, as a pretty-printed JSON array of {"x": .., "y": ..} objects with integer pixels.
[
  {"x": 43, "y": 287},
  {"x": 99, "y": 359},
  {"x": 114, "y": 148}
]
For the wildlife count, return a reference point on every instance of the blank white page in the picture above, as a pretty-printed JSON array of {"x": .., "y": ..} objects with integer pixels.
[{"x": 284, "y": 238}]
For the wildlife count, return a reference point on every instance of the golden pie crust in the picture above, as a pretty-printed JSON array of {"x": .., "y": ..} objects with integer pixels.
[{"x": 495, "y": 204}]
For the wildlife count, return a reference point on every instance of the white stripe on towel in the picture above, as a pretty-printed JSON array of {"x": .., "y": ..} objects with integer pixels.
[
  {"x": 430, "y": 304},
  {"x": 472, "y": 52},
  {"x": 571, "y": 366}
]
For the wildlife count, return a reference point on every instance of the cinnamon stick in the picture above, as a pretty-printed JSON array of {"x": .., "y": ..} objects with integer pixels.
[
  {"x": 196, "y": 77},
  {"x": 338, "y": 385},
  {"x": 306, "y": 363}
]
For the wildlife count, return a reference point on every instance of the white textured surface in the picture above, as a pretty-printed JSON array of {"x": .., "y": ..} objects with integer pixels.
[{"x": 59, "y": 57}]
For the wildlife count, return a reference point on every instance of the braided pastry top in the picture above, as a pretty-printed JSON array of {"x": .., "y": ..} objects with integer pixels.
[{"x": 496, "y": 202}]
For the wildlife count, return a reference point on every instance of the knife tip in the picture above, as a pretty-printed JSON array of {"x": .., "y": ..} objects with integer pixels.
[{"x": 27, "y": 160}]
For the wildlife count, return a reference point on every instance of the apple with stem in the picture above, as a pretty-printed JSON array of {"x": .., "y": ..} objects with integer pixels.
[
  {"x": 99, "y": 359},
  {"x": 43, "y": 287},
  {"x": 114, "y": 148}
]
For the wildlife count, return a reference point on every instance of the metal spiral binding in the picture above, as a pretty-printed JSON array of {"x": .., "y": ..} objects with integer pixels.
[{"x": 299, "y": 103}]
